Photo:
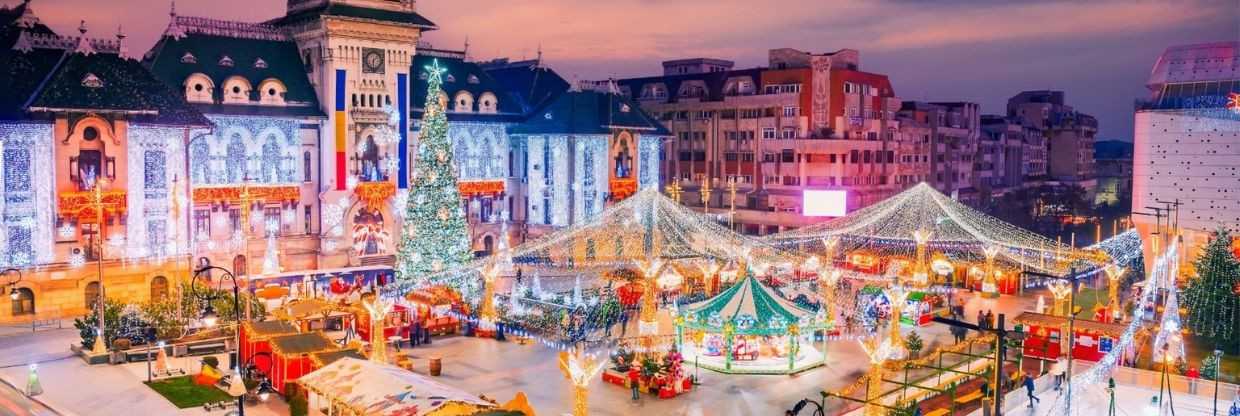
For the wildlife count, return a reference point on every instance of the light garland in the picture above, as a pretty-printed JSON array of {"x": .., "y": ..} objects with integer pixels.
[
  {"x": 26, "y": 234},
  {"x": 957, "y": 231},
  {"x": 648, "y": 172},
  {"x": 263, "y": 149}
]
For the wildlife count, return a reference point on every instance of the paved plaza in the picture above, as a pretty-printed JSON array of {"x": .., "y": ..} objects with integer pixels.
[{"x": 483, "y": 366}]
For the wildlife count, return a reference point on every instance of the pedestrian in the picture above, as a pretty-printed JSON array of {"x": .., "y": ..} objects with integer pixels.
[
  {"x": 1058, "y": 370},
  {"x": 635, "y": 378},
  {"x": 990, "y": 320},
  {"x": 519, "y": 276},
  {"x": 981, "y": 319},
  {"x": 1028, "y": 382},
  {"x": 1193, "y": 375}
]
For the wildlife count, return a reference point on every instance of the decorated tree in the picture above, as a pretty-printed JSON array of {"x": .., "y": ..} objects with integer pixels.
[
  {"x": 1213, "y": 305},
  {"x": 435, "y": 237}
]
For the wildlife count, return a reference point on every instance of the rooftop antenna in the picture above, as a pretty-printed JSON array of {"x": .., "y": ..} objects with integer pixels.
[
  {"x": 120, "y": 41},
  {"x": 540, "y": 54},
  {"x": 466, "y": 52}
]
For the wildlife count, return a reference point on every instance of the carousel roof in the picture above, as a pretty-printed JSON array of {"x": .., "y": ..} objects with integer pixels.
[
  {"x": 371, "y": 388},
  {"x": 752, "y": 308},
  {"x": 950, "y": 227}
]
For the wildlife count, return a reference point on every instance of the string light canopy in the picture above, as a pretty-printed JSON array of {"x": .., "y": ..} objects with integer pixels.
[
  {"x": 645, "y": 227},
  {"x": 894, "y": 227}
]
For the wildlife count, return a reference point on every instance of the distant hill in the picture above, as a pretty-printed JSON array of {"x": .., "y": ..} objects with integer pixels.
[{"x": 1112, "y": 149}]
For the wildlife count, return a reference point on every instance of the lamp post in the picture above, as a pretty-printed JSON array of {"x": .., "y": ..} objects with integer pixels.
[
  {"x": 1218, "y": 366},
  {"x": 705, "y": 193},
  {"x": 732, "y": 209},
  {"x": 236, "y": 385},
  {"x": 100, "y": 338},
  {"x": 13, "y": 293}
]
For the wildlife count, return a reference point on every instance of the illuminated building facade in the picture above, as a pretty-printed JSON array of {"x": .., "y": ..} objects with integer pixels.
[
  {"x": 93, "y": 168},
  {"x": 807, "y": 121},
  {"x": 1184, "y": 143}
]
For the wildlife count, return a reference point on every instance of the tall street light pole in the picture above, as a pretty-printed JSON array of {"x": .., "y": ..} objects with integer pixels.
[
  {"x": 100, "y": 305},
  {"x": 236, "y": 385}
]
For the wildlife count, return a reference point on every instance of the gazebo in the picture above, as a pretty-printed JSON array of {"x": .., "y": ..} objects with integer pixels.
[{"x": 750, "y": 329}]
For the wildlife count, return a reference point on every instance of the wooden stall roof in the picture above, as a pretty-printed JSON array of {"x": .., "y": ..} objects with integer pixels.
[
  {"x": 266, "y": 329},
  {"x": 308, "y": 343},
  {"x": 1041, "y": 319},
  {"x": 324, "y": 358}
]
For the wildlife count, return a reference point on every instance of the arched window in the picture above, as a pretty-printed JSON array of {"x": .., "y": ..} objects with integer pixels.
[
  {"x": 199, "y": 88},
  {"x": 91, "y": 295},
  {"x": 488, "y": 244},
  {"x": 159, "y": 288},
  {"x": 463, "y": 103},
  {"x": 235, "y": 162},
  {"x": 23, "y": 302},
  {"x": 239, "y": 266}
]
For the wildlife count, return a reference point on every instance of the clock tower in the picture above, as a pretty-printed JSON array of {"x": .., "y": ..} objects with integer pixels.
[{"x": 358, "y": 55}]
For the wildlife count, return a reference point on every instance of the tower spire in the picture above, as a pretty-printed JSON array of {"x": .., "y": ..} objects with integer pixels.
[{"x": 174, "y": 30}]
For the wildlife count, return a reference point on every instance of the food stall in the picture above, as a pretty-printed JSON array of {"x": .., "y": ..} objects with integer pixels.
[
  {"x": 1045, "y": 336},
  {"x": 354, "y": 387},
  {"x": 290, "y": 356}
]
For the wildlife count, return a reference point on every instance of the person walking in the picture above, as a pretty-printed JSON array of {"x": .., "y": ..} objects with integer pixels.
[
  {"x": 981, "y": 319},
  {"x": 1057, "y": 370},
  {"x": 1028, "y": 382},
  {"x": 635, "y": 378},
  {"x": 1193, "y": 375}
]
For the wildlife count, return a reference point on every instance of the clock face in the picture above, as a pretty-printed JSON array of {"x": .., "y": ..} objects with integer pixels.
[{"x": 372, "y": 61}]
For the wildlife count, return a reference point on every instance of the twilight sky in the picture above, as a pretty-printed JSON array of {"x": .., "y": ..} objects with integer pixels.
[{"x": 1099, "y": 52}]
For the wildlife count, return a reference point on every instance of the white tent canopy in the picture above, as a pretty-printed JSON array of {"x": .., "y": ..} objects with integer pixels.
[{"x": 369, "y": 388}]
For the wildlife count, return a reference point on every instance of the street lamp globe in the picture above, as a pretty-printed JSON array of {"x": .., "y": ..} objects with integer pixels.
[
  {"x": 236, "y": 387},
  {"x": 14, "y": 294},
  {"x": 209, "y": 317}
]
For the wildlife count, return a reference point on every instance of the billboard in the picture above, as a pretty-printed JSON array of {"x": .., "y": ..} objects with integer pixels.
[{"x": 824, "y": 203}]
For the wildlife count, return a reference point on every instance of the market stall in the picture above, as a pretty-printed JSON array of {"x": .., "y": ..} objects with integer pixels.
[
  {"x": 290, "y": 356},
  {"x": 256, "y": 339},
  {"x": 750, "y": 329},
  {"x": 1045, "y": 336},
  {"x": 436, "y": 308},
  {"x": 355, "y": 387}
]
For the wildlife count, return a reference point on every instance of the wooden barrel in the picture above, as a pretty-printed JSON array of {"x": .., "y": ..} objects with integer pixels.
[{"x": 436, "y": 366}]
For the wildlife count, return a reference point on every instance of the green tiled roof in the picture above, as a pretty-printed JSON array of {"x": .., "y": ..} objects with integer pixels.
[
  {"x": 281, "y": 58},
  {"x": 460, "y": 72},
  {"x": 356, "y": 12},
  {"x": 126, "y": 86},
  {"x": 9, "y": 31},
  {"x": 532, "y": 85},
  {"x": 20, "y": 76},
  {"x": 272, "y": 327},
  {"x": 329, "y": 357}
]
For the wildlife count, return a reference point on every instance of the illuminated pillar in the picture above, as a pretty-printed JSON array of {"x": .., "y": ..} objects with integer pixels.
[
  {"x": 580, "y": 369},
  {"x": 487, "y": 310},
  {"x": 921, "y": 270},
  {"x": 826, "y": 288},
  {"x": 377, "y": 309},
  {"x": 1061, "y": 290},
  {"x": 1113, "y": 274},
  {"x": 648, "y": 325},
  {"x": 897, "y": 295},
  {"x": 990, "y": 287}
]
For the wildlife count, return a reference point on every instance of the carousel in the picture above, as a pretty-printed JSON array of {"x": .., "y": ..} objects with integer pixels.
[{"x": 750, "y": 329}]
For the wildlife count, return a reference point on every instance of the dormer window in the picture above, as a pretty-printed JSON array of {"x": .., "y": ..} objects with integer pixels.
[
  {"x": 464, "y": 102},
  {"x": 487, "y": 103},
  {"x": 199, "y": 88},
  {"x": 271, "y": 92},
  {"x": 423, "y": 76},
  {"x": 226, "y": 61},
  {"x": 189, "y": 58},
  {"x": 473, "y": 79},
  {"x": 450, "y": 78},
  {"x": 237, "y": 90},
  {"x": 260, "y": 63},
  {"x": 92, "y": 81},
  {"x": 624, "y": 108}
]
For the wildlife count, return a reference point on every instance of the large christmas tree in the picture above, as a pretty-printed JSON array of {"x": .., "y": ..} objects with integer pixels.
[
  {"x": 1211, "y": 298},
  {"x": 436, "y": 236}
]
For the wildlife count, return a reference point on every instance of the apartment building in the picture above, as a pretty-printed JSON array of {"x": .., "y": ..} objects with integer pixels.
[
  {"x": 807, "y": 121},
  {"x": 999, "y": 166},
  {"x": 1069, "y": 136},
  {"x": 952, "y": 130}
]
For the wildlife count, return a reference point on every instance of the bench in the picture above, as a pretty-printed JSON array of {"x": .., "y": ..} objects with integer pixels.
[
  {"x": 976, "y": 394},
  {"x": 938, "y": 412},
  {"x": 206, "y": 348}
]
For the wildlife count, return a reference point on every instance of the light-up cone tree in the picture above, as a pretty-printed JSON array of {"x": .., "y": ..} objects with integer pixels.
[
  {"x": 436, "y": 236},
  {"x": 648, "y": 325}
]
